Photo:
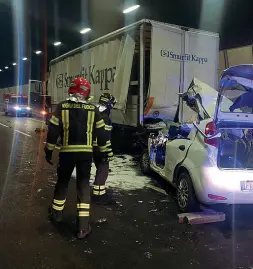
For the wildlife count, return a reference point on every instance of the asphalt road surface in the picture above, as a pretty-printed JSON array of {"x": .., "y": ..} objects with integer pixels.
[{"x": 141, "y": 231}]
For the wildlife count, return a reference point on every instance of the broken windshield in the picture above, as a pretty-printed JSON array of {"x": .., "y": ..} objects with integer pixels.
[{"x": 236, "y": 95}]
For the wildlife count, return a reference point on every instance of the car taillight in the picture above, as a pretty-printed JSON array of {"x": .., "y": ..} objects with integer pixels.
[{"x": 211, "y": 130}]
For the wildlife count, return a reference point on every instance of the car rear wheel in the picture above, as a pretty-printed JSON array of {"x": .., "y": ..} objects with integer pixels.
[
  {"x": 145, "y": 163},
  {"x": 186, "y": 197}
]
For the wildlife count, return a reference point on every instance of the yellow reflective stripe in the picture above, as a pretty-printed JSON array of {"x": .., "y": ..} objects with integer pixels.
[
  {"x": 78, "y": 146},
  {"x": 104, "y": 99},
  {"x": 102, "y": 149},
  {"x": 65, "y": 122},
  {"x": 83, "y": 206},
  {"x": 54, "y": 120},
  {"x": 83, "y": 214},
  {"x": 76, "y": 150},
  {"x": 90, "y": 122},
  {"x": 58, "y": 208},
  {"x": 59, "y": 202},
  {"x": 95, "y": 143},
  {"x": 108, "y": 143},
  {"x": 98, "y": 192},
  {"x": 100, "y": 124},
  {"x": 98, "y": 187},
  {"x": 108, "y": 127},
  {"x": 50, "y": 146}
]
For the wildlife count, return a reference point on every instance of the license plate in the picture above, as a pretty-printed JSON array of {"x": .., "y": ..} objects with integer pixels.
[{"x": 247, "y": 185}]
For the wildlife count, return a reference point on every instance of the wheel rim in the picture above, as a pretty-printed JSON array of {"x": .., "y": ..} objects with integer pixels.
[
  {"x": 183, "y": 193},
  {"x": 145, "y": 161}
]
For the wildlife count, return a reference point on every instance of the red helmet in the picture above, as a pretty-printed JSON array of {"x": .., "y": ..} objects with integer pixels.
[{"x": 80, "y": 86}]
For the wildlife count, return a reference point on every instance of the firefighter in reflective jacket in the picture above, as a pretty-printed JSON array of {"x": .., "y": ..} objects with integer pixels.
[
  {"x": 99, "y": 195},
  {"x": 77, "y": 122}
]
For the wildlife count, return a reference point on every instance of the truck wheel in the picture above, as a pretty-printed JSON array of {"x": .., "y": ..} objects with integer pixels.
[
  {"x": 145, "y": 163},
  {"x": 186, "y": 197}
]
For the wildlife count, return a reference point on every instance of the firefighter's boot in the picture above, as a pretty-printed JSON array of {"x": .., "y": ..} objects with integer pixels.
[
  {"x": 104, "y": 199},
  {"x": 55, "y": 215},
  {"x": 81, "y": 234}
]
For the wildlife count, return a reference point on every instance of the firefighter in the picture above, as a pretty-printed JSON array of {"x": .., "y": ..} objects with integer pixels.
[
  {"x": 99, "y": 195},
  {"x": 77, "y": 122}
]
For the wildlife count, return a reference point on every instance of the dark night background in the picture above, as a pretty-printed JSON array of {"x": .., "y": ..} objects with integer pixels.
[{"x": 28, "y": 25}]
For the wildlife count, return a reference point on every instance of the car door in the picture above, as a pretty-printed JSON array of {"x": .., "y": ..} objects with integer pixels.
[{"x": 176, "y": 151}]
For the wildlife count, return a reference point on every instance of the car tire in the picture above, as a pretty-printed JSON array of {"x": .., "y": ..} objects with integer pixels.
[
  {"x": 186, "y": 197},
  {"x": 6, "y": 113},
  {"x": 145, "y": 163}
]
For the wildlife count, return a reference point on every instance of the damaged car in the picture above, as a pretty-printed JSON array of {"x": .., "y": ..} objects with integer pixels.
[{"x": 209, "y": 158}]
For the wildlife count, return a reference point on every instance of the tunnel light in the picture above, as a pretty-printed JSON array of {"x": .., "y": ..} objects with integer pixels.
[
  {"x": 130, "y": 9},
  {"x": 14, "y": 64},
  {"x": 57, "y": 43},
  {"x": 38, "y": 52},
  {"x": 6, "y": 67},
  {"x": 85, "y": 30},
  {"x": 1, "y": 70},
  {"x": 24, "y": 59}
]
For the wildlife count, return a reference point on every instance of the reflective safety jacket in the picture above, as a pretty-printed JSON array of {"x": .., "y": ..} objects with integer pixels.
[
  {"x": 108, "y": 129},
  {"x": 77, "y": 124}
]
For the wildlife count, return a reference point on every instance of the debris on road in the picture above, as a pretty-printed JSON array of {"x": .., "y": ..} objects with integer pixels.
[
  {"x": 206, "y": 216},
  {"x": 148, "y": 255},
  {"x": 100, "y": 221},
  {"x": 40, "y": 130},
  {"x": 125, "y": 179}
]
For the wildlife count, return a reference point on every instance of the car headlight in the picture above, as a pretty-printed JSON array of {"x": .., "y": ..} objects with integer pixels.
[
  {"x": 17, "y": 107},
  {"x": 28, "y": 108}
]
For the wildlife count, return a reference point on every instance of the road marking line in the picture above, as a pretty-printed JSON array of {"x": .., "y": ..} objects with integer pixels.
[
  {"x": 156, "y": 189},
  {"x": 4, "y": 125},
  {"x": 22, "y": 133},
  {"x": 38, "y": 120}
]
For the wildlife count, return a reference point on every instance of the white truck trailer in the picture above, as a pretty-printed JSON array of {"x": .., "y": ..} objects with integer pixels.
[{"x": 144, "y": 65}]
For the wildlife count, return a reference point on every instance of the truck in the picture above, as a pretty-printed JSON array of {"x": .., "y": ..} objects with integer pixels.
[
  {"x": 31, "y": 94},
  {"x": 16, "y": 105},
  {"x": 145, "y": 65}
]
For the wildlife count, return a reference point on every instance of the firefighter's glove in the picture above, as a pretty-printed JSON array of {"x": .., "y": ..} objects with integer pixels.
[{"x": 48, "y": 156}]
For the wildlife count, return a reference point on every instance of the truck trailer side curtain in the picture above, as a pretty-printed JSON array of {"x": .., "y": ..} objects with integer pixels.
[{"x": 64, "y": 123}]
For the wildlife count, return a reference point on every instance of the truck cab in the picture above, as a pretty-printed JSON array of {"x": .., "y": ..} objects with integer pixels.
[{"x": 17, "y": 105}]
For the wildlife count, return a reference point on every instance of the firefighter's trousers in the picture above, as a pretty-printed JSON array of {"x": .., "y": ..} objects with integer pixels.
[
  {"x": 67, "y": 163},
  {"x": 101, "y": 174}
]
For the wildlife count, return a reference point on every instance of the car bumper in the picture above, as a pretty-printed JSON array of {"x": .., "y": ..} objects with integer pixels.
[{"x": 215, "y": 186}]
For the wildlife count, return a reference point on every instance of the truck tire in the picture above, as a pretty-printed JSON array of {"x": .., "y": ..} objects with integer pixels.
[
  {"x": 186, "y": 197},
  {"x": 145, "y": 163}
]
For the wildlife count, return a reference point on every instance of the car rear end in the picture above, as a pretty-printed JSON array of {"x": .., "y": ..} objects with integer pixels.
[{"x": 227, "y": 175}]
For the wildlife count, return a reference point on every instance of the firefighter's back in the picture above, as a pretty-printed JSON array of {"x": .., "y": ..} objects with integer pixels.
[{"x": 77, "y": 121}]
